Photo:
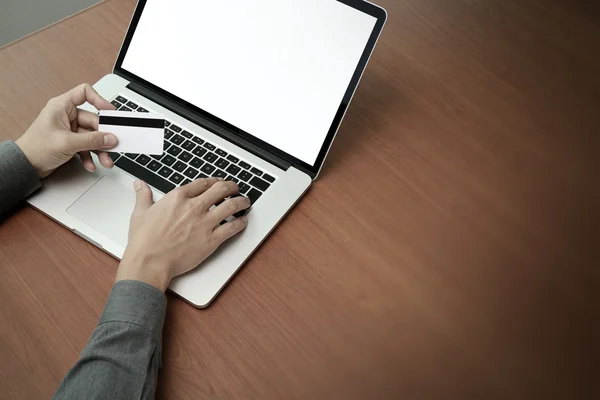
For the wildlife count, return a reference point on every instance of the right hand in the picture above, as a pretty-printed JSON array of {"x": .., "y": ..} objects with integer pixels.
[{"x": 174, "y": 235}]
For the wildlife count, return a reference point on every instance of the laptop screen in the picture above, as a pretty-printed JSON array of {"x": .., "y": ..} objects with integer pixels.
[{"x": 276, "y": 69}]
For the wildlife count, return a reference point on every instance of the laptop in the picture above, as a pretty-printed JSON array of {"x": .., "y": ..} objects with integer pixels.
[{"x": 253, "y": 91}]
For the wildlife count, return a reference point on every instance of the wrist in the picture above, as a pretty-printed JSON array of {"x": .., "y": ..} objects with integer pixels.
[
  {"x": 145, "y": 269},
  {"x": 24, "y": 147}
]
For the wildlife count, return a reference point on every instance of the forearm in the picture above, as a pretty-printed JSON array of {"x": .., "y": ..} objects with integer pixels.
[
  {"x": 18, "y": 179},
  {"x": 122, "y": 359}
]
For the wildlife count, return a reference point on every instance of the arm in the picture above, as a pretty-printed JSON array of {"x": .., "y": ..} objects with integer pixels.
[
  {"x": 123, "y": 356},
  {"x": 18, "y": 178},
  {"x": 122, "y": 359}
]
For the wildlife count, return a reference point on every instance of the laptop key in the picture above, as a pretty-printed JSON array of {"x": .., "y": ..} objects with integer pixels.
[
  {"x": 177, "y": 139},
  {"x": 233, "y": 169},
  {"x": 245, "y": 176},
  {"x": 244, "y": 165},
  {"x": 191, "y": 172},
  {"x": 132, "y": 155},
  {"x": 233, "y": 158},
  {"x": 219, "y": 174},
  {"x": 201, "y": 176},
  {"x": 210, "y": 157},
  {"x": 132, "y": 105},
  {"x": 188, "y": 145},
  {"x": 253, "y": 195},
  {"x": 185, "y": 156},
  {"x": 166, "y": 145},
  {"x": 220, "y": 152},
  {"x": 233, "y": 179},
  {"x": 197, "y": 140},
  {"x": 256, "y": 171},
  {"x": 148, "y": 176},
  {"x": 199, "y": 151},
  {"x": 154, "y": 165},
  {"x": 268, "y": 178},
  {"x": 179, "y": 166},
  {"x": 168, "y": 160},
  {"x": 122, "y": 99},
  {"x": 165, "y": 172},
  {"x": 142, "y": 109},
  {"x": 176, "y": 178},
  {"x": 243, "y": 187},
  {"x": 157, "y": 156},
  {"x": 116, "y": 103},
  {"x": 259, "y": 183},
  {"x": 209, "y": 146},
  {"x": 167, "y": 124},
  {"x": 207, "y": 168},
  {"x": 175, "y": 128},
  {"x": 174, "y": 150},
  {"x": 114, "y": 155},
  {"x": 196, "y": 162},
  {"x": 222, "y": 163},
  {"x": 186, "y": 134},
  {"x": 168, "y": 133},
  {"x": 124, "y": 108},
  {"x": 185, "y": 182},
  {"x": 143, "y": 159}
]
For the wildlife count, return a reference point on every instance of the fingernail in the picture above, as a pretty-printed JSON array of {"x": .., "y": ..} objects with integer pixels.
[
  {"x": 110, "y": 140},
  {"x": 138, "y": 184}
]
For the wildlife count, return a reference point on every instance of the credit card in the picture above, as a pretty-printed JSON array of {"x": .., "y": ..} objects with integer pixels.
[{"x": 140, "y": 133}]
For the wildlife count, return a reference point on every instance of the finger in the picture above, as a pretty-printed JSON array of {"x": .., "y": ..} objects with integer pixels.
[
  {"x": 85, "y": 92},
  {"x": 217, "y": 192},
  {"x": 78, "y": 96},
  {"x": 199, "y": 186},
  {"x": 86, "y": 160},
  {"x": 105, "y": 159},
  {"x": 90, "y": 141},
  {"x": 143, "y": 197},
  {"x": 229, "y": 207},
  {"x": 87, "y": 120},
  {"x": 229, "y": 229}
]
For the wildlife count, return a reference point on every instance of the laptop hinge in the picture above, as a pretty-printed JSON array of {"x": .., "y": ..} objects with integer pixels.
[{"x": 209, "y": 125}]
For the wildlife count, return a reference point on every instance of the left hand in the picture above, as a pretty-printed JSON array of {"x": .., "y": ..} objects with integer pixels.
[{"x": 62, "y": 130}]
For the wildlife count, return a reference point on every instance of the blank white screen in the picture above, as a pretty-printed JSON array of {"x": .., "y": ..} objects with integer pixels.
[{"x": 277, "y": 69}]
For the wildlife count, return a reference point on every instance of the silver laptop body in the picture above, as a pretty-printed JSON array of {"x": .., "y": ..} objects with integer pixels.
[{"x": 97, "y": 206}]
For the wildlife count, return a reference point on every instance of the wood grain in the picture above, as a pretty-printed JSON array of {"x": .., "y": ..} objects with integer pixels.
[{"x": 449, "y": 250}]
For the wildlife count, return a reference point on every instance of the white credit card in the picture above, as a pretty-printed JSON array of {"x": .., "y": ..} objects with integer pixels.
[{"x": 140, "y": 133}]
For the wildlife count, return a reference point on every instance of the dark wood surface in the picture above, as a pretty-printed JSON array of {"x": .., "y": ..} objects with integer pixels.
[{"x": 449, "y": 249}]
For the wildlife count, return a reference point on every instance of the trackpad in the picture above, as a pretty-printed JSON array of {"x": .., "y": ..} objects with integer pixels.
[{"x": 106, "y": 207}]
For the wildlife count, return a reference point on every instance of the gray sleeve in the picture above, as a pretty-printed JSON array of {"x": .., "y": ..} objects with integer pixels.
[
  {"x": 18, "y": 179},
  {"x": 122, "y": 359}
]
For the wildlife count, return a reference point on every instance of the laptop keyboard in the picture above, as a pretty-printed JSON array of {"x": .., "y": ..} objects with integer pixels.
[{"x": 186, "y": 156}]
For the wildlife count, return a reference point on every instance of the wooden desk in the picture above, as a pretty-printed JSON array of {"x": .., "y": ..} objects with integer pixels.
[{"x": 446, "y": 251}]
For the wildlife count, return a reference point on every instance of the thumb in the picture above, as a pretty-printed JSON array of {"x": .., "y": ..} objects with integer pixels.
[
  {"x": 143, "y": 197},
  {"x": 91, "y": 141}
]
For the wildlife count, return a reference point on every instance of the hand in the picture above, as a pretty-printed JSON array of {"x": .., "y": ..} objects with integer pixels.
[
  {"x": 62, "y": 130},
  {"x": 177, "y": 233}
]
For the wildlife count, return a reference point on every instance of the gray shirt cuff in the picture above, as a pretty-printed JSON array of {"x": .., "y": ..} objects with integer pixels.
[
  {"x": 137, "y": 303},
  {"x": 18, "y": 178}
]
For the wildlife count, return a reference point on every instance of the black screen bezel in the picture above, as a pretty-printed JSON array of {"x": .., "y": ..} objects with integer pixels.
[{"x": 312, "y": 170}]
